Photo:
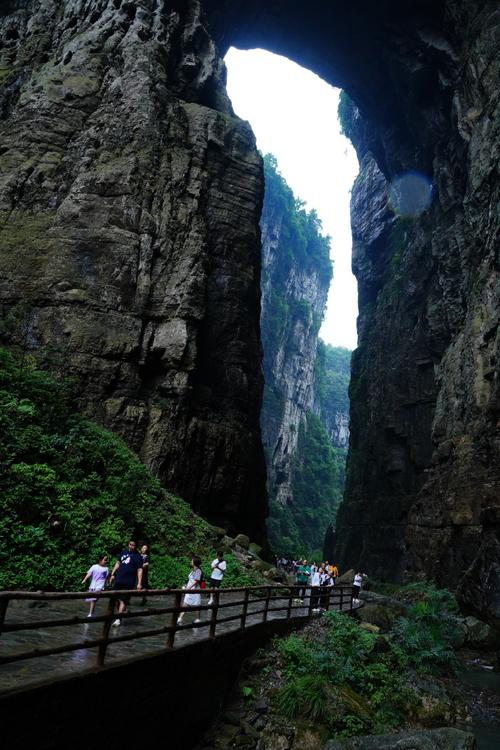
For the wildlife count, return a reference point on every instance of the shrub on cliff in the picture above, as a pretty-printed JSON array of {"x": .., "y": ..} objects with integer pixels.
[
  {"x": 352, "y": 681},
  {"x": 69, "y": 489}
]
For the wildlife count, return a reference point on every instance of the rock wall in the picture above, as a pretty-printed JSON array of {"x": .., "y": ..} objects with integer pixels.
[
  {"x": 294, "y": 293},
  {"x": 423, "y": 476},
  {"x": 331, "y": 385},
  {"x": 130, "y": 197},
  {"x": 423, "y": 473}
]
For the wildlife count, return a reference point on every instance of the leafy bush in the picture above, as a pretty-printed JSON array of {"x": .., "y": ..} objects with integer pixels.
[
  {"x": 305, "y": 695},
  {"x": 70, "y": 490},
  {"x": 424, "y": 638},
  {"x": 339, "y": 677}
]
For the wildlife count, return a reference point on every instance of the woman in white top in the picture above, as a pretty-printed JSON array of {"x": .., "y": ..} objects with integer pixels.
[
  {"x": 315, "y": 581},
  {"x": 356, "y": 586},
  {"x": 192, "y": 599}
]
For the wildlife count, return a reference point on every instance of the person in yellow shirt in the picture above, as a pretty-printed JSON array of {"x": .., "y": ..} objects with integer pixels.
[{"x": 334, "y": 572}]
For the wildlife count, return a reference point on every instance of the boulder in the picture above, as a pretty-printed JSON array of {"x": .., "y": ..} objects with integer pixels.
[
  {"x": 446, "y": 738},
  {"x": 370, "y": 627},
  {"x": 218, "y": 531},
  {"x": 380, "y": 615},
  {"x": 255, "y": 549},
  {"x": 347, "y": 577},
  {"x": 437, "y": 705},
  {"x": 480, "y": 635},
  {"x": 261, "y": 565},
  {"x": 242, "y": 541},
  {"x": 307, "y": 739}
]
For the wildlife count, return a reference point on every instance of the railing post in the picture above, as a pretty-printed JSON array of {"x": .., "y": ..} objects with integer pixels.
[
  {"x": 245, "y": 609},
  {"x": 4, "y": 603},
  {"x": 266, "y": 605},
  {"x": 311, "y": 602},
  {"x": 213, "y": 619},
  {"x": 173, "y": 620},
  {"x": 290, "y": 597},
  {"x": 341, "y": 598},
  {"x": 106, "y": 627}
]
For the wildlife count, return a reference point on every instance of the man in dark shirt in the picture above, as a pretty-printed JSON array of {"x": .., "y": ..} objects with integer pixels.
[{"x": 126, "y": 574}]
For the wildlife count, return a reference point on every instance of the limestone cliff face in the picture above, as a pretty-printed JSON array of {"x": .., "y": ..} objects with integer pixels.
[
  {"x": 423, "y": 487},
  {"x": 331, "y": 400},
  {"x": 130, "y": 197},
  {"x": 294, "y": 293}
]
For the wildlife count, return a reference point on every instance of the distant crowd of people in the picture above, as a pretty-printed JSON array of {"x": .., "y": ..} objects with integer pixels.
[
  {"x": 131, "y": 571},
  {"x": 321, "y": 575}
]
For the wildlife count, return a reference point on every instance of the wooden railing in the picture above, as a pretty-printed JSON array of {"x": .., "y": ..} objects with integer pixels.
[{"x": 339, "y": 597}]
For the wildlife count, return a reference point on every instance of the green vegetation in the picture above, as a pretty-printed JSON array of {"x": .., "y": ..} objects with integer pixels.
[
  {"x": 355, "y": 682},
  {"x": 70, "y": 489},
  {"x": 318, "y": 469},
  {"x": 331, "y": 378},
  {"x": 346, "y": 114},
  {"x": 299, "y": 528},
  {"x": 301, "y": 241}
]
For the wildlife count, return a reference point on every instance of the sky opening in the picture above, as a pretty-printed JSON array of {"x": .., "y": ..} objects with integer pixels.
[{"x": 293, "y": 114}]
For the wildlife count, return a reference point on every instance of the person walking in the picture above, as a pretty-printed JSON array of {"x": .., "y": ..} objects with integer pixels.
[
  {"x": 218, "y": 566},
  {"x": 303, "y": 573},
  {"x": 145, "y": 570},
  {"x": 356, "y": 586},
  {"x": 98, "y": 575},
  {"x": 315, "y": 592},
  {"x": 126, "y": 575},
  {"x": 193, "y": 599},
  {"x": 326, "y": 582}
]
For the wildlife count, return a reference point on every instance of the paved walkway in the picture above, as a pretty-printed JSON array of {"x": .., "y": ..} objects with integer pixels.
[{"x": 32, "y": 671}]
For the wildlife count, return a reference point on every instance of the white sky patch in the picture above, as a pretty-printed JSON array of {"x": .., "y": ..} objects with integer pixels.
[{"x": 293, "y": 114}]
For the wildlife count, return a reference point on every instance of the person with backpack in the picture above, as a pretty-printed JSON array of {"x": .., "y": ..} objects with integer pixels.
[
  {"x": 218, "y": 566},
  {"x": 194, "y": 584}
]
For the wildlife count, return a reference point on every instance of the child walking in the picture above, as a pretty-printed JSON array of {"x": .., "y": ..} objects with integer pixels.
[
  {"x": 98, "y": 574},
  {"x": 193, "y": 599}
]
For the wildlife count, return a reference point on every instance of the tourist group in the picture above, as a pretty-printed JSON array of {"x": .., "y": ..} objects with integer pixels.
[{"x": 131, "y": 570}]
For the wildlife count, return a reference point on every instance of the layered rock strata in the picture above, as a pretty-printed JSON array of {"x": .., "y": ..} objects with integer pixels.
[
  {"x": 130, "y": 197},
  {"x": 424, "y": 471},
  {"x": 294, "y": 294}
]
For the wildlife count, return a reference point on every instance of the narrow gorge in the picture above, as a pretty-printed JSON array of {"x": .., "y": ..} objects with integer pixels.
[
  {"x": 130, "y": 255},
  {"x": 305, "y": 410}
]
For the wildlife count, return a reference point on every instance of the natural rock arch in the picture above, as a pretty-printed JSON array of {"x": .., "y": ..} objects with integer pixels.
[{"x": 130, "y": 199}]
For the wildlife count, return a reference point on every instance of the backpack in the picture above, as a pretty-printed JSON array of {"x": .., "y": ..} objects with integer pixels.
[{"x": 203, "y": 582}]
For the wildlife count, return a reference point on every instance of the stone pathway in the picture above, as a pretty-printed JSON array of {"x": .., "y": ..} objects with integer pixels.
[{"x": 32, "y": 671}]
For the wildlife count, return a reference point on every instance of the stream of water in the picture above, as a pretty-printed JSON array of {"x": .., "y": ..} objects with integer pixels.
[{"x": 486, "y": 730}]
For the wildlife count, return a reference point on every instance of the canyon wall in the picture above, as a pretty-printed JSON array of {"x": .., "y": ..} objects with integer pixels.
[
  {"x": 303, "y": 479},
  {"x": 296, "y": 275},
  {"x": 130, "y": 197}
]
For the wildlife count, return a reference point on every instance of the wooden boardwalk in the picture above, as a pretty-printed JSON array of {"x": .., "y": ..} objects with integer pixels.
[{"x": 47, "y": 636}]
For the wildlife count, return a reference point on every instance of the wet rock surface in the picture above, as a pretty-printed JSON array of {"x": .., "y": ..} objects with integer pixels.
[
  {"x": 130, "y": 198},
  {"x": 435, "y": 739}
]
